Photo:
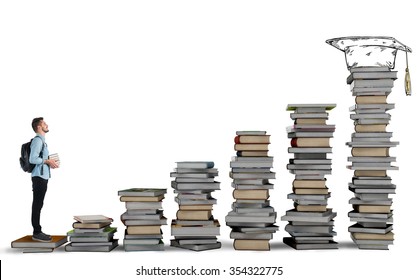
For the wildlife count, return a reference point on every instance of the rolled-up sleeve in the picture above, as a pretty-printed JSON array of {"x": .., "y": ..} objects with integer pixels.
[{"x": 35, "y": 150}]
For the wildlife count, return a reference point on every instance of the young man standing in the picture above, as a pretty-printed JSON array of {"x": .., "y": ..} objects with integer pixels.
[{"x": 40, "y": 175}]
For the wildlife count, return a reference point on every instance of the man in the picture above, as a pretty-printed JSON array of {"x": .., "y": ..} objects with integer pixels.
[{"x": 40, "y": 175}]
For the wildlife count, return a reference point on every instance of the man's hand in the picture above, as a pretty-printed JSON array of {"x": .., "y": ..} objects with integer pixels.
[{"x": 52, "y": 163}]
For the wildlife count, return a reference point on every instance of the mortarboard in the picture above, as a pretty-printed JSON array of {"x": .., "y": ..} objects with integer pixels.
[{"x": 372, "y": 51}]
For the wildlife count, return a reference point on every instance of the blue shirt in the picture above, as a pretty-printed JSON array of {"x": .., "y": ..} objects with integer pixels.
[{"x": 35, "y": 158}]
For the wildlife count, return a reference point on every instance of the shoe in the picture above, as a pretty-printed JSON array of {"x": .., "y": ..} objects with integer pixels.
[{"x": 42, "y": 237}]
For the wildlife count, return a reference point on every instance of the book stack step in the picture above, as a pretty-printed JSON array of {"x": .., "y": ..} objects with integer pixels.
[
  {"x": 252, "y": 218},
  {"x": 370, "y": 158},
  {"x": 92, "y": 233},
  {"x": 195, "y": 228},
  {"x": 311, "y": 221},
  {"x": 143, "y": 219},
  {"x": 28, "y": 245}
]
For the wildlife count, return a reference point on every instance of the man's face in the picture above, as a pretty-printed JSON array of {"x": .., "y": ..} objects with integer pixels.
[{"x": 44, "y": 126}]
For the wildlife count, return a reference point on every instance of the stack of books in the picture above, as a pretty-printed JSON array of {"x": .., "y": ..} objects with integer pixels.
[
  {"x": 370, "y": 157},
  {"x": 195, "y": 227},
  {"x": 28, "y": 245},
  {"x": 143, "y": 219},
  {"x": 55, "y": 157},
  {"x": 92, "y": 233},
  {"x": 252, "y": 218},
  {"x": 310, "y": 221}
]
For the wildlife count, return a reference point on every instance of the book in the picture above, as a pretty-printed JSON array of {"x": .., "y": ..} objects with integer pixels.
[
  {"x": 310, "y": 108},
  {"x": 37, "y": 250},
  {"x": 370, "y": 152},
  {"x": 193, "y": 214},
  {"x": 373, "y": 208},
  {"x": 316, "y": 184},
  {"x": 319, "y": 121},
  {"x": 139, "y": 222},
  {"x": 309, "y": 246},
  {"x": 96, "y": 248},
  {"x": 371, "y": 76},
  {"x": 250, "y": 244},
  {"x": 130, "y": 205},
  {"x": 373, "y": 236},
  {"x": 90, "y": 225},
  {"x": 371, "y": 83},
  {"x": 144, "y": 247},
  {"x": 197, "y": 247},
  {"x": 106, "y": 232},
  {"x": 92, "y": 219},
  {"x": 369, "y": 69},
  {"x": 206, "y": 230},
  {"x": 251, "y": 147},
  {"x": 296, "y": 116},
  {"x": 245, "y": 139},
  {"x": 142, "y": 198},
  {"x": 28, "y": 242},
  {"x": 371, "y": 99},
  {"x": 234, "y": 217},
  {"x": 251, "y": 194},
  {"x": 310, "y": 142},
  {"x": 250, "y": 132},
  {"x": 310, "y": 208},
  {"x": 142, "y": 192},
  {"x": 195, "y": 164},
  {"x": 196, "y": 207},
  {"x": 143, "y": 229},
  {"x": 252, "y": 153},
  {"x": 370, "y": 128},
  {"x": 311, "y": 191},
  {"x": 195, "y": 186},
  {"x": 309, "y": 150},
  {"x": 375, "y": 230}
]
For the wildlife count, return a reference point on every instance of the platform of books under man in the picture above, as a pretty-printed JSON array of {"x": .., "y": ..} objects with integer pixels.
[{"x": 371, "y": 61}]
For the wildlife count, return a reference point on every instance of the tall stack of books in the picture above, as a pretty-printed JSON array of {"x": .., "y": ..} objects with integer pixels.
[
  {"x": 92, "y": 233},
  {"x": 143, "y": 219},
  {"x": 311, "y": 221},
  {"x": 252, "y": 218},
  {"x": 194, "y": 227},
  {"x": 370, "y": 157}
]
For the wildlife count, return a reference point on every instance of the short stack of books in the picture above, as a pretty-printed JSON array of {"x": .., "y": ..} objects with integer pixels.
[
  {"x": 311, "y": 221},
  {"x": 252, "y": 218},
  {"x": 143, "y": 219},
  {"x": 92, "y": 233},
  {"x": 55, "y": 157},
  {"x": 28, "y": 245},
  {"x": 370, "y": 158},
  {"x": 195, "y": 227}
]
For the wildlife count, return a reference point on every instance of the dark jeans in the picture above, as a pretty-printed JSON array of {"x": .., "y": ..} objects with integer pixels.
[{"x": 39, "y": 187}]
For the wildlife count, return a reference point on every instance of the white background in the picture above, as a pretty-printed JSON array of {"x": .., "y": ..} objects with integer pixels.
[{"x": 130, "y": 87}]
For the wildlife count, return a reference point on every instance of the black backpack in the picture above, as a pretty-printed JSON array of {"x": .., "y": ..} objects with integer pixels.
[{"x": 25, "y": 154}]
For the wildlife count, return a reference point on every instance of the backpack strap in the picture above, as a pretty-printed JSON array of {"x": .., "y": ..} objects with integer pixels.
[{"x": 41, "y": 153}]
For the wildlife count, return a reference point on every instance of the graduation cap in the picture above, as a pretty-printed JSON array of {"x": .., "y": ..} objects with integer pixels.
[{"x": 372, "y": 51}]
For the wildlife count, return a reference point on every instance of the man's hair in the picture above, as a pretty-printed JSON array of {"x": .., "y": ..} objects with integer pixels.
[{"x": 36, "y": 122}]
